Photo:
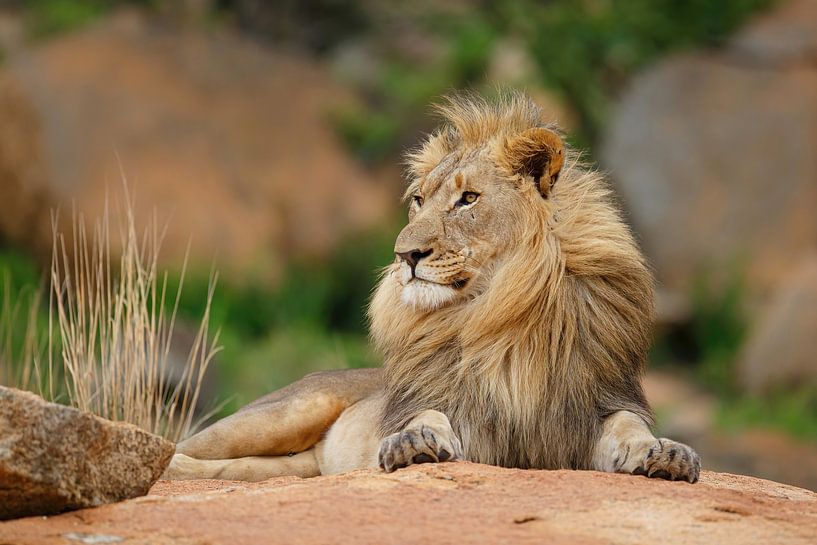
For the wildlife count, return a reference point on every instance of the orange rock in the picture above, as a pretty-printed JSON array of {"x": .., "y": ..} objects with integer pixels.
[
  {"x": 455, "y": 503},
  {"x": 227, "y": 140}
]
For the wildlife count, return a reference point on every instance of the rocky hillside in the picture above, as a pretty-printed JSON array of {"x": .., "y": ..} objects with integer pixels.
[
  {"x": 447, "y": 503},
  {"x": 229, "y": 141}
]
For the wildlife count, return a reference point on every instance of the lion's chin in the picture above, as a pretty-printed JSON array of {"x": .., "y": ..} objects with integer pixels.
[{"x": 423, "y": 295}]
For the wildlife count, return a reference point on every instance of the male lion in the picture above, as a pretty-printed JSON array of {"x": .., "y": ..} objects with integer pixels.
[{"x": 514, "y": 324}]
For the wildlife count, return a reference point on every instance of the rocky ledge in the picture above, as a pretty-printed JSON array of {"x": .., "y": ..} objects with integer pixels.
[{"x": 446, "y": 503}]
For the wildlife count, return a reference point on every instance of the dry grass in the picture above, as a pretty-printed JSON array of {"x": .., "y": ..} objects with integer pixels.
[{"x": 110, "y": 329}]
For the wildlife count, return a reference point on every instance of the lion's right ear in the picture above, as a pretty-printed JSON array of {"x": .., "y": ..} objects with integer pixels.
[{"x": 538, "y": 153}]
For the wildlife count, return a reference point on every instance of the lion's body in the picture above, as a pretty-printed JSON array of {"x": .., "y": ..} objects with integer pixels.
[{"x": 514, "y": 327}]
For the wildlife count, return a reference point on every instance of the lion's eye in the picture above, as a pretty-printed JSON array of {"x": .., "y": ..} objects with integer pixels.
[
  {"x": 418, "y": 200},
  {"x": 469, "y": 197}
]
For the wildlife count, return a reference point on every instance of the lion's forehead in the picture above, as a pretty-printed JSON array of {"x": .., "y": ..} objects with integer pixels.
[
  {"x": 469, "y": 163},
  {"x": 441, "y": 173}
]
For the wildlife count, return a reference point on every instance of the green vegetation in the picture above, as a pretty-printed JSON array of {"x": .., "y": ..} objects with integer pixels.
[
  {"x": 718, "y": 327},
  {"x": 718, "y": 330},
  {"x": 584, "y": 52},
  {"x": 23, "y": 322},
  {"x": 402, "y": 90},
  {"x": 103, "y": 343},
  {"x": 793, "y": 410},
  {"x": 589, "y": 49},
  {"x": 314, "y": 319},
  {"x": 47, "y": 17},
  {"x": 19, "y": 271}
]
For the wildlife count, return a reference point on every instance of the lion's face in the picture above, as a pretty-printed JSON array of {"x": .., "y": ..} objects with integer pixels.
[
  {"x": 458, "y": 226},
  {"x": 465, "y": 214}
]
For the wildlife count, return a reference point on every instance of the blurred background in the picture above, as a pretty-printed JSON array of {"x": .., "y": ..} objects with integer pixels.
[{"x": 268, "y": 135}]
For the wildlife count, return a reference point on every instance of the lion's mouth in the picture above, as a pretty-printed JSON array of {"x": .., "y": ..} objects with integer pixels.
[{"x": 458, "y": 284}]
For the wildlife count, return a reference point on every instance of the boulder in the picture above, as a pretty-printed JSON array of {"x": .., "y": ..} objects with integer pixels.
[
  {"x": 226, "y": 140},
  {"x": 713, "y": 154},
  {"x": 787, "y": 34},
  {"x": 782, "y": 347},
  {"x": 458, "y": 503},
  {"x": 55, "y": 458}
]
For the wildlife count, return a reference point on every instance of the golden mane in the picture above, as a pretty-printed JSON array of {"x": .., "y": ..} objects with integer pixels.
[
  {"x": 555, "y": 341},
  {"x": 470, "y": 120}
]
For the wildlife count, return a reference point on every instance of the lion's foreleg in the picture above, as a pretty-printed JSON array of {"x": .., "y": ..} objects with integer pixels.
[
  {"x": 250, "y": 468},
  {"x": 429, "y": 437},
  {"x": 627, "y": 445}
]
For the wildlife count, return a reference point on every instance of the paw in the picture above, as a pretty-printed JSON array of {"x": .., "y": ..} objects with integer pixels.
[
  {"x": 667, "y": 459},
  {"x": 419, "y": 445}
]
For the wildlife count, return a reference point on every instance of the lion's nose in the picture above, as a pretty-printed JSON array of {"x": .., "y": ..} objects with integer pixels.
[{"x": 413, "y": 257}]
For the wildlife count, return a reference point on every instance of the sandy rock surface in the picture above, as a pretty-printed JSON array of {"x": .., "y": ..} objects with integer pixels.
[
  {"x": 446, "y": 503},
  {"x": 54, "y": 458}
]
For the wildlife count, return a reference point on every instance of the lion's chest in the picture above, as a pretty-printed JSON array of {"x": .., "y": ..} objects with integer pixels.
[{"x": 524, "y": 433}]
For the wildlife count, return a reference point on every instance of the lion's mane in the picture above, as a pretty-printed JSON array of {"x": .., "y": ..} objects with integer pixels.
[{"x": 526, "y": 370}]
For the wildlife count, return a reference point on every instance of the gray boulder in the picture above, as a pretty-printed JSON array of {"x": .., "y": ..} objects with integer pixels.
[
  {"x": 713, "y": 154},
  {"x": 782, "y": 347}
]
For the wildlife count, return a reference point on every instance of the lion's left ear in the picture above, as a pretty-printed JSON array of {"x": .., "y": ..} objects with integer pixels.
[{"x": 538, "y": 153}]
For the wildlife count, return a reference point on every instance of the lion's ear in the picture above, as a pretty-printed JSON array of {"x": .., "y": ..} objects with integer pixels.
[{"x": 538, "y": 153}]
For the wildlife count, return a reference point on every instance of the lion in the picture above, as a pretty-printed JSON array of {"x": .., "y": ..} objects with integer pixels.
[{"x": 514, "y": 325}]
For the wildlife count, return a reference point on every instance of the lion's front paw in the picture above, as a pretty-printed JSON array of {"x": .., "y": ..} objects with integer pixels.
[
  {"x": 419, "y": 445},
  {"x": 667, "y": 459}
]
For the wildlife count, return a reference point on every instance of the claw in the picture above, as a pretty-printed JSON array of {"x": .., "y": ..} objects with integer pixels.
[
  {"x": 422, "y": 458},
  {"x": 660, "y": 474}
]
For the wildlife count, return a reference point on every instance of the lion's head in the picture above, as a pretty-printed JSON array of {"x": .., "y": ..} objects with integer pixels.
[
  {"x": 518, "y": 304},
  {"x": 478, "y": 186}
]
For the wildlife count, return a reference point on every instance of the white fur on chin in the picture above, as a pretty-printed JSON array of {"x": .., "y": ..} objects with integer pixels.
[{"x": 423, "y": 295}]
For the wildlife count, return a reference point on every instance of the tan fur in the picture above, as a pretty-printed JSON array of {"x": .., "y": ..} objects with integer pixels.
[
  {"x": 527, "y": 369},
  {"x": 514, "y": 325}
]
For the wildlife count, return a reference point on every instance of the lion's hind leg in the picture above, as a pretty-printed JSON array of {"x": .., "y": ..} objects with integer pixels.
[
  {"x": 250, "y": 468},
  {"x": 279, "y": 428},
  {"x": 626, "y": 445},
  {"x": 288, "y": 421},
  {"x": 275, "y": 435}
]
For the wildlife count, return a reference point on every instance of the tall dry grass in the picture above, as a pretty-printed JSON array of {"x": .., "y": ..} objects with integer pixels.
[{"x": 110, "y": 329}]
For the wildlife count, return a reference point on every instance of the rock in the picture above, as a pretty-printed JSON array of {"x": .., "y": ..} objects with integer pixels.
[
  {"x": 25, "y": 198},
  {"x": 789, "y": 34},
  {"x": 713, "y": 155},
  {"x": 227, "y": 140},
  {"x": 55, "y": 458},
  {"x": 782, "y": 347},
  {"x": 448, "y": 503}
]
